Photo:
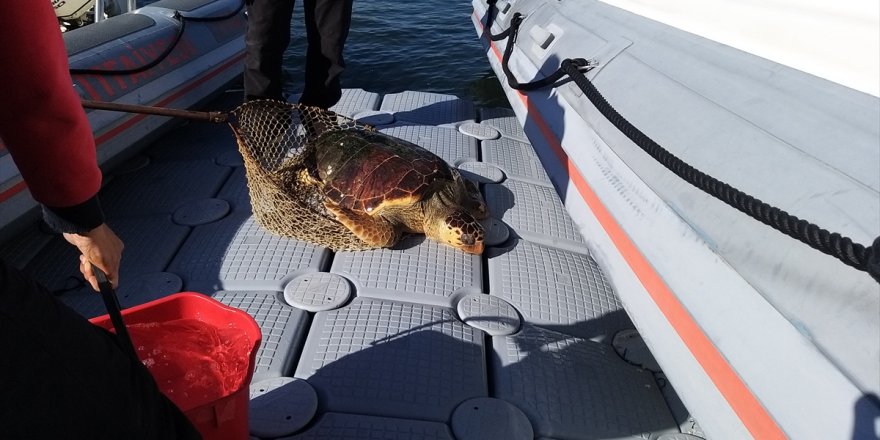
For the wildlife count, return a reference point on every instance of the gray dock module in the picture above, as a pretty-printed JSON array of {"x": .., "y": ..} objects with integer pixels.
[
  {"x": 283, "y": 329},
  {"x": 421, "y": 341},
  {"x": 20, "y": 249},
  {"x": 558, "y": 289},
  {"x": 603, "y": 396},
  {"x": 280, "y": 406},
  {"x": 355, "y": 101},
  {"x": 236, "y": 253},
  {"x": 355, "y": 427},
  {"x": 428, "y": 108},
  {"x": 235, "y": 191},
  {"x": 535, "y": 213},
  {"x": 448, "y": 143},
  {"x": 416, "y": 270},
  {"x": 517, "y": 159},
  {"x": 393, "y": 359},
  {"x": 162, "y": 187},
  {"x": 504, "y": 120}
]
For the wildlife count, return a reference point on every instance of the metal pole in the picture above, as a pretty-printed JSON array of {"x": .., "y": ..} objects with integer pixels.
[
  {"x": 159, "y": 111},
  {"x": 99, "y": 10},
  {"x": 115, "y": 7}
]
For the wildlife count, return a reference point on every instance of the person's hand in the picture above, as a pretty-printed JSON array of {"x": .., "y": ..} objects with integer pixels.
[{"x": 100, "y": 247}]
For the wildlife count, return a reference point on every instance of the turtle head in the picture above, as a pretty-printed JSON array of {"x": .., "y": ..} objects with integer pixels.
[
  {"x": 459, "y": 229},
  {"x": 452, "y": 215}
]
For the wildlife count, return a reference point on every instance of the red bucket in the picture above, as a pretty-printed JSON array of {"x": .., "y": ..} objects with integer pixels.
[{"x": 227, "y": 416}]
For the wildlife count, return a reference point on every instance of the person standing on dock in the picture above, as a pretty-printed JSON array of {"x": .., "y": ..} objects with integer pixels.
[
  {"x": 267, "y": 38},
  {"x": 61, "y": 376}
]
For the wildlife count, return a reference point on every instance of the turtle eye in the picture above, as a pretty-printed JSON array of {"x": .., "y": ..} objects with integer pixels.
[{"x": 469, "y": 231}]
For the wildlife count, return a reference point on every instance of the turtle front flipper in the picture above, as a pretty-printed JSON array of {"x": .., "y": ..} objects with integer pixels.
[
  {"x": 474, "y": 202},
  {"x": 375, "y": 231}
]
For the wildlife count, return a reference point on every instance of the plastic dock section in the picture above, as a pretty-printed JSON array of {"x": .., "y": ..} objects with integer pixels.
[{"x": 416, "y": 342}]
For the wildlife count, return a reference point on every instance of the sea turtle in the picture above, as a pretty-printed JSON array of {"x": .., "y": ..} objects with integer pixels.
[{"x": 380, "y": 187}]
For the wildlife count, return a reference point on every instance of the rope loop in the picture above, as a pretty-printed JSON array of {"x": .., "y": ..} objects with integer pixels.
[
  {"x": 576, "y": 64},
  {"x": 516, "y": 20}
]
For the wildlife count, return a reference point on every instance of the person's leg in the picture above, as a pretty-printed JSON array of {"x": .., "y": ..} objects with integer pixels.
[
  {"x": 63, "y": 377},
  {"x": 327, "y": 24},
  {"x": 267, "y": 37}
]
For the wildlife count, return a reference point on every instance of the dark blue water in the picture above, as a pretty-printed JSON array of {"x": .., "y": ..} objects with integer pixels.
[{"x": 428, "y": 46}]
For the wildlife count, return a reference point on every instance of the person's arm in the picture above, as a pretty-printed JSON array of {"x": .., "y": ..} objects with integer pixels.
[{"x": 46, "y": 131}]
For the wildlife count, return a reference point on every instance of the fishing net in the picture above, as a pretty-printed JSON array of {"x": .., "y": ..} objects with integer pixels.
[{"x": 277, "y": 141}]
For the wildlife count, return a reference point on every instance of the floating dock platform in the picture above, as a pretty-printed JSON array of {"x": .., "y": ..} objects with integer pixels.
[{"x": 417, "y": 342}]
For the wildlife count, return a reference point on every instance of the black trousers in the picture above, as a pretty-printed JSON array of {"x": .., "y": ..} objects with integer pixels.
[
  {"x": 268, "y": 34},
  {"x": 62, "y": 377}
]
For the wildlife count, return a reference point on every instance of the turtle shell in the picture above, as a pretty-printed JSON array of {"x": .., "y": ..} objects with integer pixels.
[{"x": 367, "y": 170}]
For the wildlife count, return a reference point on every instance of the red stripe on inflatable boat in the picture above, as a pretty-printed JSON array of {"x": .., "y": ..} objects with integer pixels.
[
  {"x": 137, "y": 118},
  {"x": 18, "y": 187},
  {"x": 746, "y": 406},
  {"x": 87, "y": 87},
  {"x": 13, "y": 190}
]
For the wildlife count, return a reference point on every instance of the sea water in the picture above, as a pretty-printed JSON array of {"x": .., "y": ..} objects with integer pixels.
[
  {"x": 192, "y": 362},
  {"x": 418, "y": 45},
  {"x": 393, "y": 46}
]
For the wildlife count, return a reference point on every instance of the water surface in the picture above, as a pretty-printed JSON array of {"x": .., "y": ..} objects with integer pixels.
[{"x": 416, "y": 45}]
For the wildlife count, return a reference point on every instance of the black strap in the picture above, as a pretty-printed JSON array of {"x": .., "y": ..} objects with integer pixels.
[
  {"x": 111, "y": 302},
  {"x": 490, "y": 18},
  {"x": 831, "y": 243},
  {"x": 549, "y": 80}
]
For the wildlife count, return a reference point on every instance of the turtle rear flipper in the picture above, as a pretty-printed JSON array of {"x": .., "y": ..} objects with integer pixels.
[{"x": 375, "y": 231}]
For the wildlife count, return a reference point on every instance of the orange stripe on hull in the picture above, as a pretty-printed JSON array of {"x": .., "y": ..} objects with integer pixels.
[{"x": 744, "y": 404}]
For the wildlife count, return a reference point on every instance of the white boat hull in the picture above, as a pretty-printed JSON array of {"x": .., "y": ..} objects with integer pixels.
[{"x": 761, "y": 335}]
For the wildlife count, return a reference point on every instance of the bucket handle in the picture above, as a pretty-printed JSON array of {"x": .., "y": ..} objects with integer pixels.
[{"x": 111, "y": 302}]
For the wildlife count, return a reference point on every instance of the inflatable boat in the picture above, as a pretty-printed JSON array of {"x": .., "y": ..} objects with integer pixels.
[
  {"x": 761, "y": 334},
  {"x": 174, "y": 53}
]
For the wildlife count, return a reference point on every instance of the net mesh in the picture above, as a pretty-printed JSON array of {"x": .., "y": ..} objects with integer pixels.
[{"x": 277, "y": 140}]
